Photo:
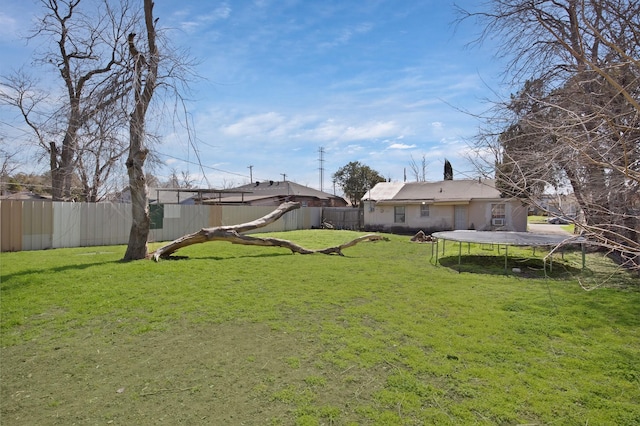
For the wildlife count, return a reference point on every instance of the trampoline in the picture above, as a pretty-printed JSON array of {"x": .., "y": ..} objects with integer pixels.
[{"x": 505, "y": 238}]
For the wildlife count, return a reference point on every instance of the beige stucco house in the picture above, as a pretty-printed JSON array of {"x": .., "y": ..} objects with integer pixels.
[{"x": 439, "y": 206}]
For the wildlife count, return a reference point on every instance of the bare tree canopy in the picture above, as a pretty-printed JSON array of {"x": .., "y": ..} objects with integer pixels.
[
  {"x": 419, "y": 171},
  {"x": 575, "y": 123},
  {"x": 84, "y": 43},
  {"x": 233, "y": 235}
]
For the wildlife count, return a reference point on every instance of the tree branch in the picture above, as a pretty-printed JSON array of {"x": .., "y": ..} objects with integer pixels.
[{"x": 232, "y": 234}]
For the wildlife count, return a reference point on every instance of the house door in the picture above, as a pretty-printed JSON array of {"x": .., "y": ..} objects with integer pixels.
[{"x": 459, "y": 217}]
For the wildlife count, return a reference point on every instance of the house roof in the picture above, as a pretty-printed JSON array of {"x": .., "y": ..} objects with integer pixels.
[
  {"x": 448, "y": 191},
  {"x": 383, "y": 191},
  {"x": 270, "y": 189},
  {"x": 186, "y": 195}
]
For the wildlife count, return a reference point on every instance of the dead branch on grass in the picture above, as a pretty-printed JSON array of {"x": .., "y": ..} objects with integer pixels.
[{"x": 232, "y": 234}]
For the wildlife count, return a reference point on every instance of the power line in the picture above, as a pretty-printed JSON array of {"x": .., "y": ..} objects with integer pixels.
[
  {"x": 321, "y": 159},
  {"x": 203, "y": 166}
]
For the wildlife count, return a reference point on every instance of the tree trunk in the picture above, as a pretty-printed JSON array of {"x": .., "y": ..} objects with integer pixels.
[
  {"x": 145, "y": 76},
  {"x": 232, "y": 234},
  {"x": 139, "y": 233}
]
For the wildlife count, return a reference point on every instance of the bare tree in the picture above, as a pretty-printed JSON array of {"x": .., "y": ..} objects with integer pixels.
[
  {"x": 184, "y": 180},
  {"x": 21, "y": 92},
  {"x": 86, "y": 46},
  {"x": 101, "y": 149},
  {"x": 575, "y": 122},
  {"x": 90, "y": 69},
  {"x": 144, "y": 84},
  {"x": 419, "y": 171},
  {"x": 8, "y": 164}
]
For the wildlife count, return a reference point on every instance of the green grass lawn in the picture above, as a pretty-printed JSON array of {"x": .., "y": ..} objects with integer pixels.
[
  {"x": 537, "y": 219},
  {"x": 253, "y": 335}
]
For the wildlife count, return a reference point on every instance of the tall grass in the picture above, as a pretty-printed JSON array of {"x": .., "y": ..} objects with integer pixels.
[{"x": 238, "y": 334}]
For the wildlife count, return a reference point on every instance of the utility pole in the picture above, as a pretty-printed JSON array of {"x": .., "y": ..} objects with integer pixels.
[
  {"x": 321, "y": 159},
  {"x": 284, "y": 177},
  {"x": 250, "y": 173}
]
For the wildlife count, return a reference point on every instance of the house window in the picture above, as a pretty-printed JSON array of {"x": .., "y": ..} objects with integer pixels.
[
  {"x": 398, "y": 214},
  {"x": 498, "y": 217},
  {"x": 424, "y": 210},
  {"x": 497, "y": 211}
]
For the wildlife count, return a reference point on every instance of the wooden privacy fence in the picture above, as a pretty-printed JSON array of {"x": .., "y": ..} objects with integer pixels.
[
  {"x": 344, "y": 217},
  {"x": 39, "y": 225}
]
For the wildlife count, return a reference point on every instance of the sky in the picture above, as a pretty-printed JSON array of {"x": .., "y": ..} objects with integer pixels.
[{"x": 381, "y": 82}]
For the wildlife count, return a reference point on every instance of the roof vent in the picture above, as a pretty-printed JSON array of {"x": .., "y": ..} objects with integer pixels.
[
  {"x": 257, "y": 183},
  {"x": 270, "y": 182}
]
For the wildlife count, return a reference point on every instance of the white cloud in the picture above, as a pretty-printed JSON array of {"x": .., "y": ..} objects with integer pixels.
[
  {"x": 331, "y": 130},
  {"x": 401, "y": 146},
  {"x": 370, "y": 131},
  {"x": 345, "y": 35},
  {"x": 280, "y": 128},
  {"x": 191, "y": 25},
  {"x": 255, "y": 125},
  {"x": 8, "y": 28}
]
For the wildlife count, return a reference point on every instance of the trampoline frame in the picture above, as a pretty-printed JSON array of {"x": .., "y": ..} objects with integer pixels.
[{"x": 506, "y": 238}]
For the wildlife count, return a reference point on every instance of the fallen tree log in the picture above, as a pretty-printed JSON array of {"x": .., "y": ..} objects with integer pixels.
[{"x": 233, "y": 234}]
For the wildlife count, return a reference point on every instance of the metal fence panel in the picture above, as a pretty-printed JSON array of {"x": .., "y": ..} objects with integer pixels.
[
  {"x": 67, "y": 218},
  {"x": 180, "y": 220},
  {"x": 105, "y": 224},
  {"x": 37, "y": 225},
  {"x": 10, "y": 225}
]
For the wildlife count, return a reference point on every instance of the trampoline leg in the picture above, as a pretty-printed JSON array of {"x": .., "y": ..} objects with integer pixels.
[
  {"x": 583, "y": 256},
  {"x": 459, "y": 255},
  {"x": 506, "y": 253}
]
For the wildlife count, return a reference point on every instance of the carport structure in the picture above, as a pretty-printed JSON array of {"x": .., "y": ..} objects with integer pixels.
[{"x": 506, "y": 238}]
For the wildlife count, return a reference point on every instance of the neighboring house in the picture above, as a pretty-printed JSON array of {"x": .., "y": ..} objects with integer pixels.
[
  {"x": 123, "y": 196},
  {"x": 268, "y": 193},
  {"x": 557, "y": 205},
  {"x": 182, "y": 196},
  {"x": 439, "y": 206},
  {"x": 274, "y": 193},
  {"x": 169, "y": 195}
]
